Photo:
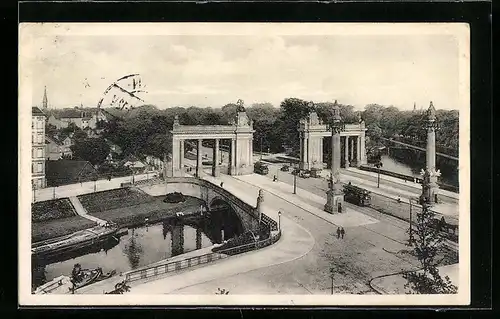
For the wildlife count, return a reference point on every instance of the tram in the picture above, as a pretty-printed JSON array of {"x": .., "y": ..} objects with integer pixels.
[{"x": 356, "y": 195}]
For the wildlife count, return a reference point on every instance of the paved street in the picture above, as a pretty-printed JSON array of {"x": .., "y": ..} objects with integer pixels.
[{"x": 369, "y": 249}]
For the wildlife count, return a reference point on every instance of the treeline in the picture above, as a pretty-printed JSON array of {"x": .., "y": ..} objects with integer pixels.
[
  {"x": 144, "y": 130},
  {"x": 410, "y": 126}
]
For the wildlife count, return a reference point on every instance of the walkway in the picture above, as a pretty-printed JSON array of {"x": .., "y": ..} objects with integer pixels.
[
  {"x": 83, "y": 212},
  {"x": 86, "y": 187}
]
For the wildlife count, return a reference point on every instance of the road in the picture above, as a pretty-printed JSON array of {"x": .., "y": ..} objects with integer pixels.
[{"x": 369, "y": 249}]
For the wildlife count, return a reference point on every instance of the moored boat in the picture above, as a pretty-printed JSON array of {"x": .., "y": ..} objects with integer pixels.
[{"x": 71, "y": 242}]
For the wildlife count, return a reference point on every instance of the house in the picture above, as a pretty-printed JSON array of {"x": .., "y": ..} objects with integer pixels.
[
  {"x": 154, "y": 162},
  {"x": 135, "y": 164},
  {"x": 81, "y": 117},
  {"x": 57, "y": 149},
  {"x": 63, "y": 172},
  {"x": 38, "y": 119}
]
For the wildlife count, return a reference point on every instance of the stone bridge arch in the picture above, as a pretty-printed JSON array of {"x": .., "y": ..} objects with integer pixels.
[{"x": 209, "y": 193}]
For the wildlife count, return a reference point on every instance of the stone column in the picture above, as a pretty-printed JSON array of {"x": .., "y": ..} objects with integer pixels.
[
  {"x": 302, "y": 155},
  {"x": 352, "y": 149},
  {"x": 321, "y": 152},
  {"x": 346, "y": 151},
  {"x": 232, "y": 160},
  {"x": 362, "y": 148},
  {"x": 251, "y": 150},
  {"x": 335, "y": 195},
  {"x": 216, "y": 159},
  {"x": 181, "y": 155},
  {"x": 308, "y": 152},
  {"x": 175, "y": 157},
  {"x": 358, "y": 152},
  {"x": 199, "y": 159}
]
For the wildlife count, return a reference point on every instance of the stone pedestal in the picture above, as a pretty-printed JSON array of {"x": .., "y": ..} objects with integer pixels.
[{"x": 335, "y": 199}]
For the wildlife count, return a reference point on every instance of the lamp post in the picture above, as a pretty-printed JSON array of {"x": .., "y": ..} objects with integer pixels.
[
  {"x": 34, "y": 190},
  {"x": 410, "y": 231},
  {"x": 279, "y": 220},
  {"x": 378, "y": 166},
  {"x": 295, "y": 180},
  {"x": 261, "y": 139}
]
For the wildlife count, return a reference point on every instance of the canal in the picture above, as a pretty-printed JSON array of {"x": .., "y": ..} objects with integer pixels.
[
  {"x": 412, "y": 167},
  {"x": 142, "y": 246}
]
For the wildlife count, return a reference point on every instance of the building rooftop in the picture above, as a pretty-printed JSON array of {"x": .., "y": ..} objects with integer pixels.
[
  {"x": 35, "y": 111},
  {"x": 63, "y": 171}
]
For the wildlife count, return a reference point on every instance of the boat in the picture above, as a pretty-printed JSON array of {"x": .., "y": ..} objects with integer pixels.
[
  {"x": 59, "y": 285},
  {"x": 77, "y": 240},
  {"x": 84, "y": 277}
]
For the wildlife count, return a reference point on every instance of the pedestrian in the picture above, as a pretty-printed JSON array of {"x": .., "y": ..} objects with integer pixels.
[
  {"x": 399, "y": 200},
  {"x": 338, "y": 232},
  {"x": 342, "y": 232},
  {"x": 274, "y": 178},
  {"x": 221, "y": 184}
]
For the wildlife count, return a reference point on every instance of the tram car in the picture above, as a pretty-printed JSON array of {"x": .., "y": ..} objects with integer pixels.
[
  {"x": 356, "y": 195},
  {"x": 260, "y": 168}
]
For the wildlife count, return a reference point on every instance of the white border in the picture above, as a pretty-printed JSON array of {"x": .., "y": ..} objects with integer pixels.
[{"x": 29, "y": 31}]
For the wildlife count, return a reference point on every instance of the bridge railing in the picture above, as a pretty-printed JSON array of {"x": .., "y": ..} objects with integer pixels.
[{"x": 173, "y": 266}]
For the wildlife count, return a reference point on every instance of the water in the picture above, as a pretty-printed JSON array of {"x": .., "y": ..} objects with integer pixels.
[
  {"x": 449, "y": 173},
  {"x": 140, "y": 247}
]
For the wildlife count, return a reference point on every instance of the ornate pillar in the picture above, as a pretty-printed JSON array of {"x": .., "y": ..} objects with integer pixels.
[
  {"x": 199, "y": 160},
  {"x": 250, "y": 146},
  {"x": 301, "y": 156},
  {"x": 432, "y": 187},
  {"x": 346, "y": 152},
  {"x": 362, "y": 143},
  {"x": 358, "y": 151},
  {"x": 175, "y": 157},
  {"x": 308, "y": 152},
  {"x": 232, "y": 160},
  {"x": 352, "y": 149},
  {"x": 216, "y": 159},
  {"x": 181, "y": 155},
  {"x": 321, "y": 152}
]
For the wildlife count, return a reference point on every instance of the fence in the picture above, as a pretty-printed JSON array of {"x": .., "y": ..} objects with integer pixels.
[{"x": 198, "y": 260}]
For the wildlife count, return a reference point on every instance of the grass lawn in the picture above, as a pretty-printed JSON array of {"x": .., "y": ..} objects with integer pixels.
[
  {"x": 154, "y": 210},
  {"x": 113, "y": 199},
  {"x": 59, "y": 227},
  {"x": 51, "y": 209}
]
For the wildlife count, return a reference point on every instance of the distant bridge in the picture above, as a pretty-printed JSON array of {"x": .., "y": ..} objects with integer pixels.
[{"x": 419, "y": 148}]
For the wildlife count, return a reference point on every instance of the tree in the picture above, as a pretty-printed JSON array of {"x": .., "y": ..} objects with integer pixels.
[
  {"x": 426, "y": 242},
  {"x": 94, "y": 150}
]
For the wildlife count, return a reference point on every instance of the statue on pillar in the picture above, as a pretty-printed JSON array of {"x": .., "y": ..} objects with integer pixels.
[
  {"x": 260, "y": 200},
  {"x": 335, "y": 195},
  {"x": 176, "y": 120},
  {"x": 430, "y": 175}
]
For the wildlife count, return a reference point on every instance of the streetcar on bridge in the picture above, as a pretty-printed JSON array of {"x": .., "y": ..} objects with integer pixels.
[{"x": 356, "y": 195}]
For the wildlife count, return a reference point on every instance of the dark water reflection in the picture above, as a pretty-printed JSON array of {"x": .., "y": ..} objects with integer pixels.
[
  {"x": 139, "y": 247},
  {"x": 412, "y": 167}
]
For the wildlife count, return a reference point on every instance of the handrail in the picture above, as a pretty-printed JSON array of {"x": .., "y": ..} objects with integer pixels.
[{"x": 198, "y": 260}]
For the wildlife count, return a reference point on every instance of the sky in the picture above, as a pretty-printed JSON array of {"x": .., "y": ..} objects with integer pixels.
[{"x": 199, "y": 69}]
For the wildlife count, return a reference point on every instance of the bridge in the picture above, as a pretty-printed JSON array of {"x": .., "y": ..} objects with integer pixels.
[{"x": 418, "y": 148}]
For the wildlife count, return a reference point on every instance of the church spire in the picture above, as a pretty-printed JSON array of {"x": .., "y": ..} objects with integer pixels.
[{"x": 45, "y": 101}]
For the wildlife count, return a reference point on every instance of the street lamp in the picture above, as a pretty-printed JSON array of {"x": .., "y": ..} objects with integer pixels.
[
  {"x": 261, "y": 139},
  {"x": 378, "y": 166},
  {"x": 34, "y": 190},
  {"x": 295, "y": 172},
  {"x": 410, "y": 241},
  {"x": 279, "y": 220}
]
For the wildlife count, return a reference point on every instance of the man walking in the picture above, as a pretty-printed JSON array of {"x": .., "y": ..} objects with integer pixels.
[
  {"x": 338, "y": 232},
  {"x": 342, "y": 232}
]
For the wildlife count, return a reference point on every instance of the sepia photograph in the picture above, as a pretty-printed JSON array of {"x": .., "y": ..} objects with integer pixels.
[{"x": 244, "y": 164}]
